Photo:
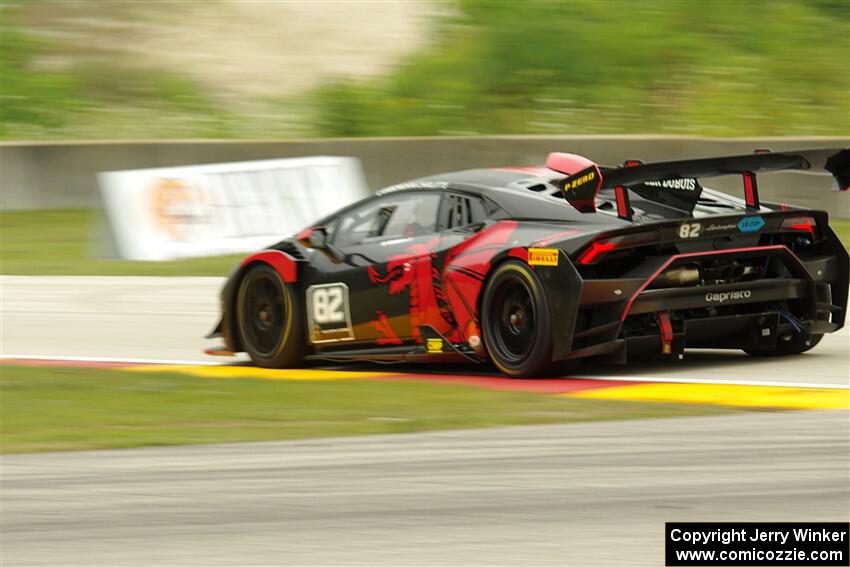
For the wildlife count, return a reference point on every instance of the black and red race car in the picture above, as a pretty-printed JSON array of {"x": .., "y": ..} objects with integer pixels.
[{"x": 536, "y": 268}]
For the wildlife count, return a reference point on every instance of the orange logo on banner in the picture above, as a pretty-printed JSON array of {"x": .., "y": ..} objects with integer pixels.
[{"x": 176, "y": 207}]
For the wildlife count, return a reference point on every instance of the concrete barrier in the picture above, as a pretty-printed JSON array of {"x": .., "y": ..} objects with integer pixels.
[{"x": 57, "y": 175}]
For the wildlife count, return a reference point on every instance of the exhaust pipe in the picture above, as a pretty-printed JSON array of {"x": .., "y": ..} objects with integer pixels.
[{"x": 683, "y": 276}]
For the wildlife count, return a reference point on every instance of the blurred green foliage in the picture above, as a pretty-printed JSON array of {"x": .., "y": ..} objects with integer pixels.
[
  {"x": 714, "y": 68},
  {"x": 721, "y": 67},
  {"x": 27, "y": 97},
  {"x": 97, "y": 99}
]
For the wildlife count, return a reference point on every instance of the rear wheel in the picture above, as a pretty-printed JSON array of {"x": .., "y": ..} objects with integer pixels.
[
  {"x": 516, "y": 323},
  {"x": 269, "y": 315},
  {"x": 797, "y": 344}
]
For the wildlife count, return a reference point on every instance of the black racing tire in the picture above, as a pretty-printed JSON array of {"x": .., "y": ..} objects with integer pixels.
[
  {"x": 516, "y": 324},
  {"x": 798, "y": 344},
  {"x": 269, "y": 317}
]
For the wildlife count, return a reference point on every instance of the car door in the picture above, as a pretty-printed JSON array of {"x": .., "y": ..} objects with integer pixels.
[{"x": 373, "y": 295}]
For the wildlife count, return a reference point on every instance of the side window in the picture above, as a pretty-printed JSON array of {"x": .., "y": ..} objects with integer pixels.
[
  {"x": 462, "y": 210},
  {"x": 395, "y": 216}
]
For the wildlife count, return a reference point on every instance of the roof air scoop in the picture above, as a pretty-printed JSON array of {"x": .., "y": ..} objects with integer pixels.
[{"x": 568, "y": 164}]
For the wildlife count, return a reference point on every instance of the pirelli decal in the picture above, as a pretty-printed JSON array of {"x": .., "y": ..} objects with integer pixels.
[{"x": 543, "y": 256}]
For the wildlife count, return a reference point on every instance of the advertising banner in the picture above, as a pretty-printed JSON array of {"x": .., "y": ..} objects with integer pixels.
[{"x": 207, "y": 210}]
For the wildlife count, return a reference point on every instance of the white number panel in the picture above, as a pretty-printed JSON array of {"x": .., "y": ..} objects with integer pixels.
[
  {"x": 690, "y": 230},
  {"x": 328, "y": 315}
]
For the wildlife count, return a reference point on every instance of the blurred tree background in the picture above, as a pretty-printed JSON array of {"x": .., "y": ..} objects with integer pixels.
[{"x": 724, "y": 68}]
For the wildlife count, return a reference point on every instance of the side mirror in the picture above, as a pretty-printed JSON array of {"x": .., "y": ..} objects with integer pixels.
[{"x": 318, "y": 237}]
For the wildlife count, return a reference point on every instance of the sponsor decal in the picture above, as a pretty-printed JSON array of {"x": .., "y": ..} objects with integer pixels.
[
  {"x": 543, "y": 256},
  {"x": 580, "y": 180},
  {"x": 684, "y": 184},
  {"x": 434, "y": 345},
  {"x": 751, "y": 224},
  {"x": 715, "y": 227},
  {"x": 580, "y": 189},
  {"x": 328, "y": 314},
  {"x": 728, "y": 296}
]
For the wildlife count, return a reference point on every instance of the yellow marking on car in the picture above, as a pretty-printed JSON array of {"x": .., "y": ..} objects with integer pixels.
[
  {"x": 434, "y": 345},
  {"x": 543, "y": 256},
  {"x": 779, "y": 397},
  {"x": 224, "y": 371},
  {"x": 578, "y": 182}
]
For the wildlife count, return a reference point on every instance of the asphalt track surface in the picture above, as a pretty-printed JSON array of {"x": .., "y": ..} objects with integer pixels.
[
  {"x": 577, "y": 494},
  {"x": 162, "y": 318}
]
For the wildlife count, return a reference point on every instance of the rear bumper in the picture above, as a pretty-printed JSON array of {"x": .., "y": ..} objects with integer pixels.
[
  {"x": 676, "y": 299},
  {"x": 618, "y": 317}
]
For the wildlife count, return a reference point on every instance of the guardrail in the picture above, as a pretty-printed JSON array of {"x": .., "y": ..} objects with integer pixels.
[{"x": 62, "y": 174}]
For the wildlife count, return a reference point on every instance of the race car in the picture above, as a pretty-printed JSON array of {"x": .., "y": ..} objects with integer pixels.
[{"x": 537, "y": 268}]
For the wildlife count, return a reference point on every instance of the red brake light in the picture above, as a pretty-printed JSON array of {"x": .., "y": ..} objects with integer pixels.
[
  {"x": 803, "y": 224},
  {"x": 595, "y": 250},
  {"x": 599, "y": 248}
]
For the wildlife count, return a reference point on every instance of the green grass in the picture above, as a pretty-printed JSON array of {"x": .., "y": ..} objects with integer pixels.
[
  {"x": 61, "y": 242},
  {"x": 53, "y": 408}
]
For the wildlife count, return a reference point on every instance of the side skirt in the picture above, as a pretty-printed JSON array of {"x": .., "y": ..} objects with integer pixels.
[{"x": 435, "y": 348}]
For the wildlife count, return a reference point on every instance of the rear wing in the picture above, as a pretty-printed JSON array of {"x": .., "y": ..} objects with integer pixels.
[{"x": 676, "y": 181}]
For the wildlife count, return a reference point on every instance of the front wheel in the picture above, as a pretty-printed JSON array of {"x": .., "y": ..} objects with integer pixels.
[
  {"x": 269, "y": 319},
  {"x": 516, "y": 322}
]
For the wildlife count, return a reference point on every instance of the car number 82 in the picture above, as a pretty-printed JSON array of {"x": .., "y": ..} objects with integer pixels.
[
  {"x": 328, "y": 304},
  {"x": 689, "y": 230}
]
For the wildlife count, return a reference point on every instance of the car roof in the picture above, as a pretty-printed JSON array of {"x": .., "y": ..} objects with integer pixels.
[
  {"x": 523, "y": 192},
  {"x": 533, "y": 193}
]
